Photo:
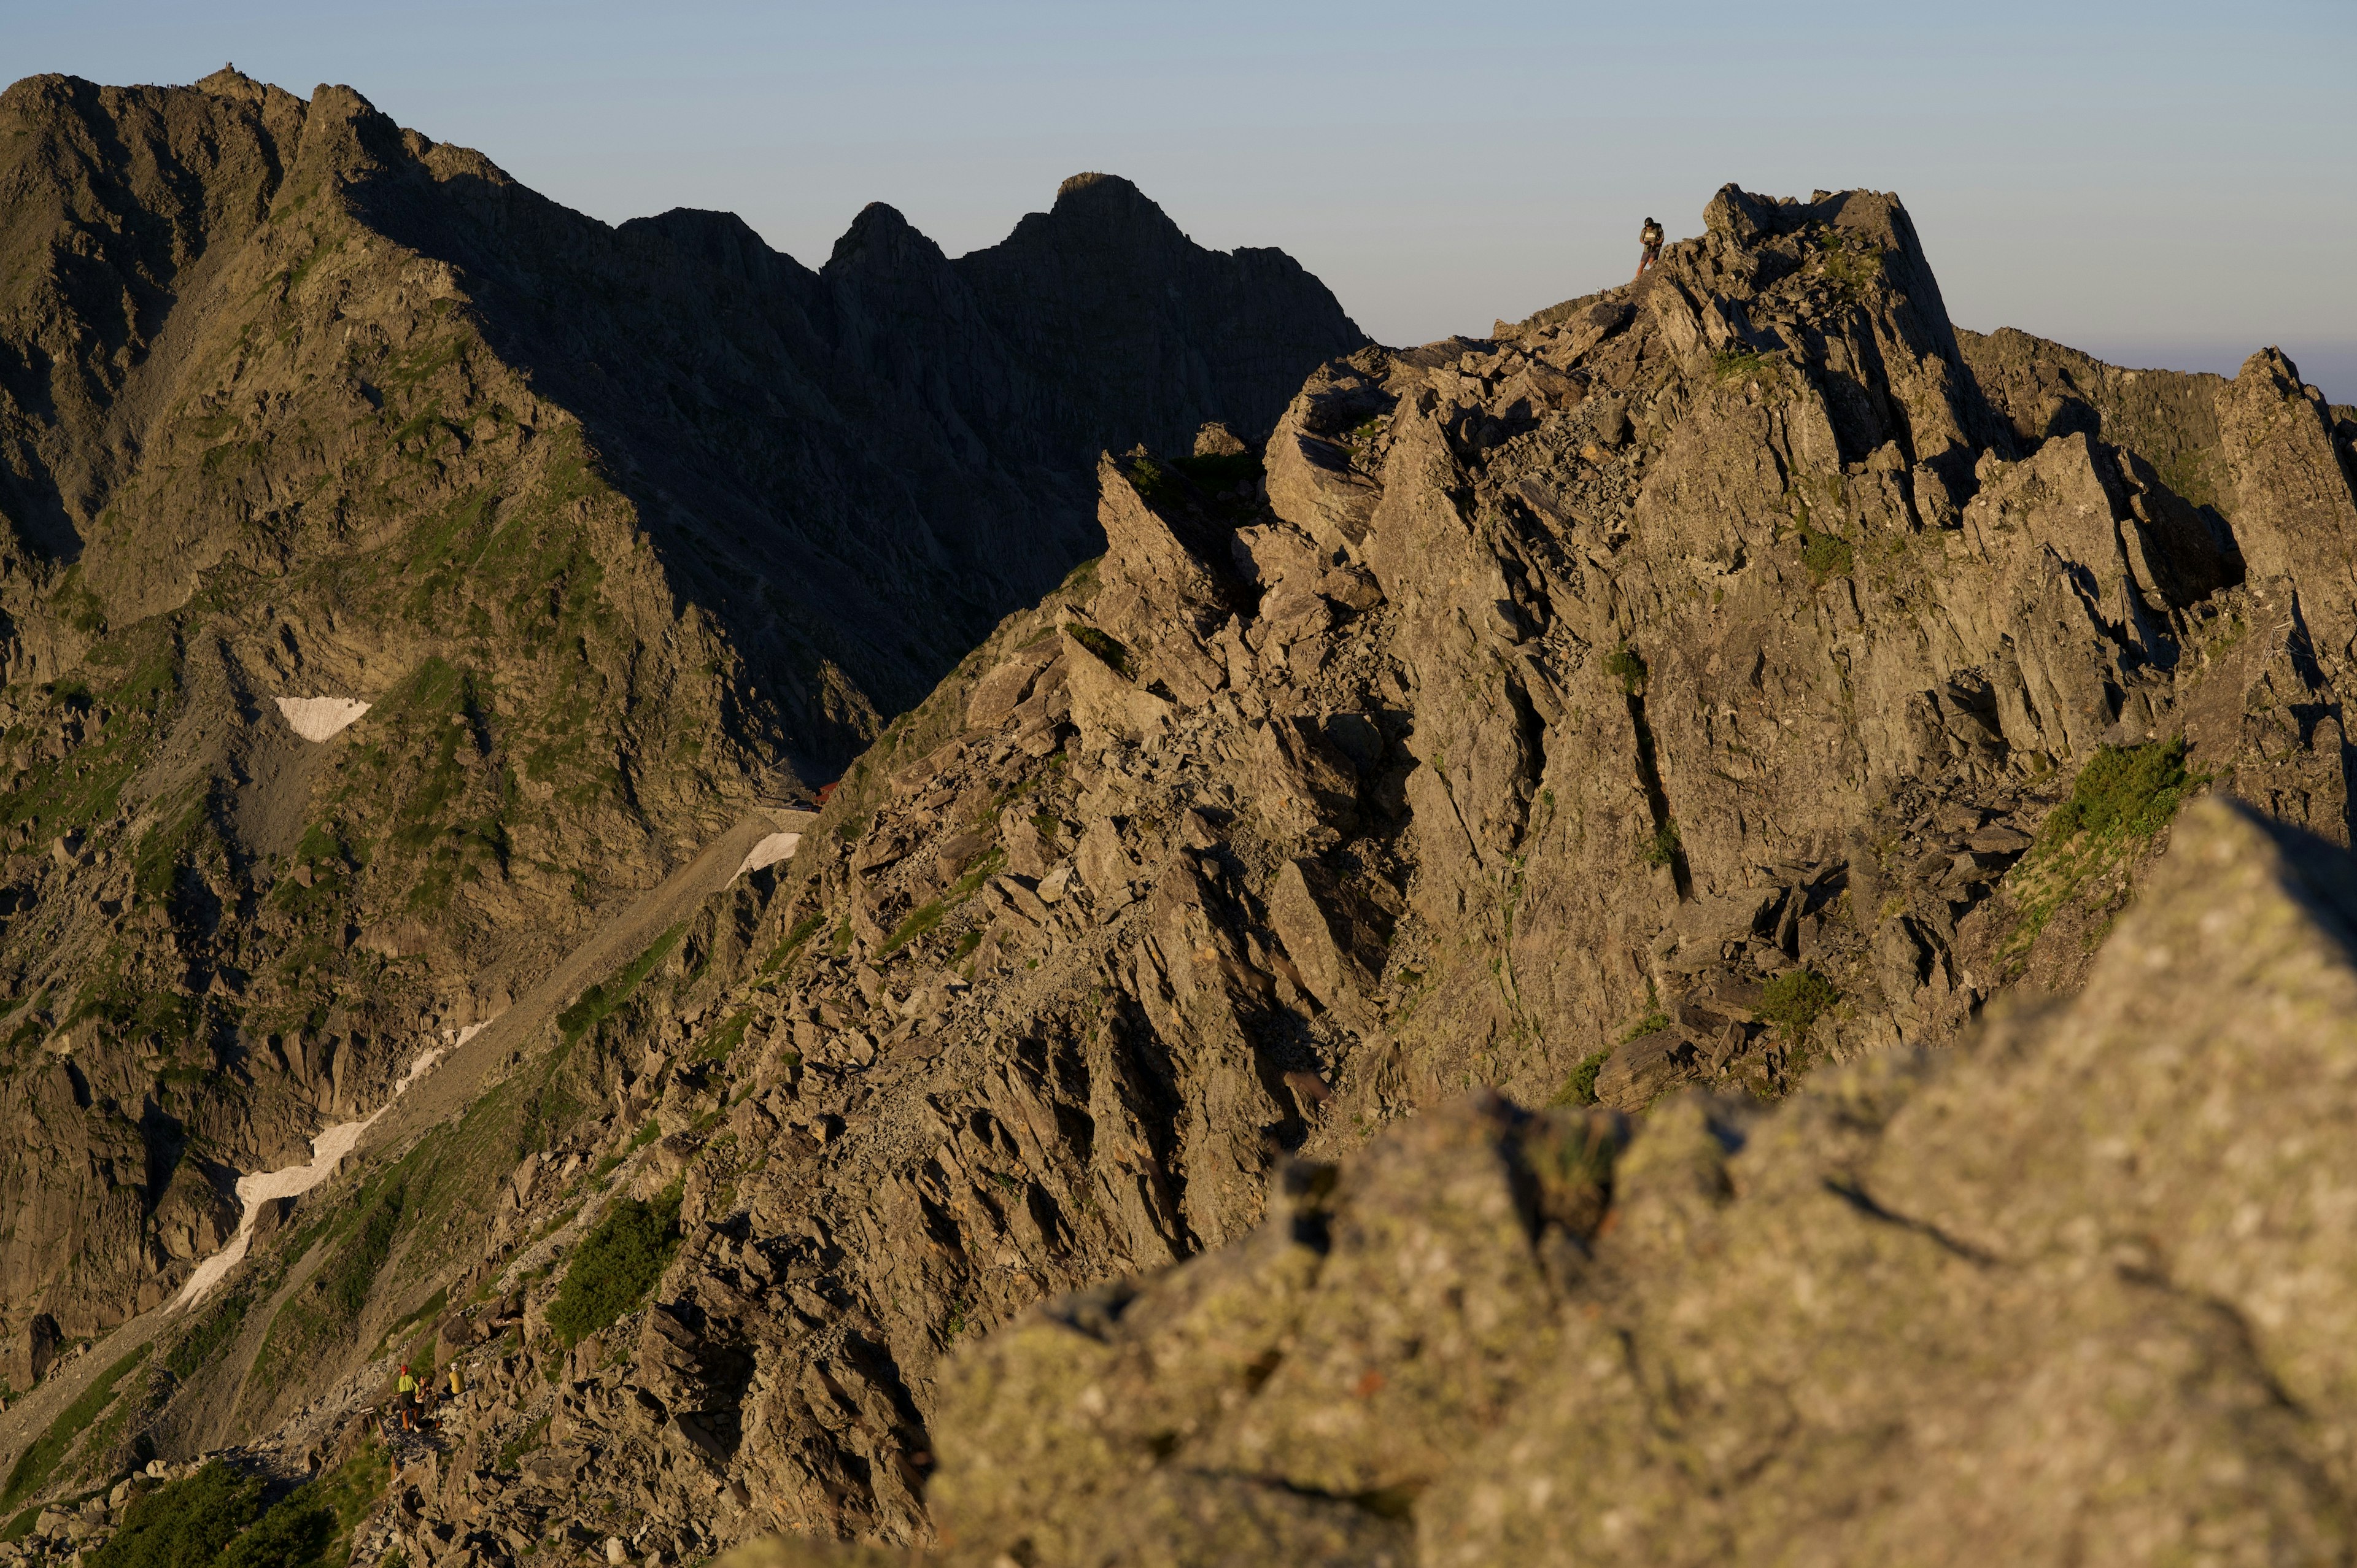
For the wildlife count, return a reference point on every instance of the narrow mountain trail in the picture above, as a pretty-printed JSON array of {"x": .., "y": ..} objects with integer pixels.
[
  {"x": 445, "y": 1089},
  {"x": 456, "y": 1081}
]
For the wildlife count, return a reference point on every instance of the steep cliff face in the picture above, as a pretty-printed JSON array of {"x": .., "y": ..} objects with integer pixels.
[
  {"x": 1711, "y": 683},
  {"x": 616, "y": 534}
]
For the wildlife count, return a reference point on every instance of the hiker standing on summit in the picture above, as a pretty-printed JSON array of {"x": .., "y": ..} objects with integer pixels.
[{"x": 1651, "y": 237}]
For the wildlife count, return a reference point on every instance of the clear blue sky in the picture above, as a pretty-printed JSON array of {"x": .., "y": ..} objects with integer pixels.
[{"x": 2157, "y": 182}]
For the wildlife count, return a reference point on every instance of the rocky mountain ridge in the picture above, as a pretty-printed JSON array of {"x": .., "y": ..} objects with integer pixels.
[
  {"x": 1706, "y": 690},
  {"x": 603, "y": 540}
]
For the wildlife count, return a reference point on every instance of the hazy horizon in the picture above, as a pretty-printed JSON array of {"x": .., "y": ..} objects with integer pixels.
[{"x": 2152, "y": 184}]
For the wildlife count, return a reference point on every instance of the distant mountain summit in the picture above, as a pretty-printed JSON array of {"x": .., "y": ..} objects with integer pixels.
[{"x": 856, "y": 470}]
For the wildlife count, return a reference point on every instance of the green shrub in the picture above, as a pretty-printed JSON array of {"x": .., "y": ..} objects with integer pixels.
[
  {"x": 194, "y": 1349},
  {"x": 295, "y": 1533},
  {"x": 1154, "y": 482},
  {"x": 186, "y": 1524},
  {"x": 432, "y": 1310},
  {"x": 619, "y": 1262},
  {"x": 1825, "y": 555},
  {"x": 1662, "y": 849},
  {"x": 2125, "y": 792},
  {"x": 1796, "y": 999},
  {"x": 513, "y": 1450},
  {"x": 1579, "y": 1089},
  {"x": 1109, "y": 648},
  {"x": 1625, "y": 665}
]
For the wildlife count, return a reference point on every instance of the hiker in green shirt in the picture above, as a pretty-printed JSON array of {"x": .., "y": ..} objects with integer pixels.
[{"x": 406, "y": 1392}]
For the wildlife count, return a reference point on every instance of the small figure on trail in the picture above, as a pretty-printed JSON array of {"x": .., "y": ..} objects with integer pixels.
[
  {"x": 406, "y": 1392},
  {"x": 1651, "y": 237},
  {"x": 458, "y": 1383}
]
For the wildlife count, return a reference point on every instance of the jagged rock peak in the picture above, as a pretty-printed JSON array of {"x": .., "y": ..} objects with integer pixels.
[
  {"x": 1106, "y": 189},
  {"x": 882, "y": 236},
  {"x": 1092, "y": 199}
]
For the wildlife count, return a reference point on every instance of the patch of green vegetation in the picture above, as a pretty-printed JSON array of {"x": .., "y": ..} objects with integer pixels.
[
  {"x": 84, "y": 787},
  {"x": 1653, "y": 1019},
  {"x": 595, "y": 1005},
  {"x": 803, "y": 930},
  {"x": 156, "y": 863},
  {"x": 967, "y": 942},
  {"x": 616, "y": 1266},
  {"x": 1735, "y": 364},
  {"x": 921, "y": 919},
  {"x": 320, "y": 253},
  {"x": 1627, "y": 666},
  {"x": 986, "y": 867},
  {"x": 1579, "y": 1089},
  {"x": 1662, "y": 848},
  {"x": 2128, "y": 792},
  {"x": 1079, "y": 585},
  {"x": 82, "y": 609},
  {"x": 1852, "y": 263},
  {"x": 721, "y": 1041},
  {"x": 416, "y": 366},
  {"x": 1107, "y": 648},
  {"x": 214, "y": 1518},
  {"x": 125, "y": 1011},
  {"x": 1795, "y": 1000},
  {"x": 2121, "y": 798},
  {"x": 2193, "y": 474},
  {"x": 512, "y": 1450},
  {"x": 427, "y": 1313},
  {"x": 40, "y": 1459},
  {"x": 1154, "y": 482},
  {"x": 187, "y": 1524},
  {"x": 1825, "y": 555},
  {"x": 850, "y": 828},
  {"x": 194, "y": 1349}
]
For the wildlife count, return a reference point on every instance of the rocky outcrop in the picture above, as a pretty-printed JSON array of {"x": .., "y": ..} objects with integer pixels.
[{"x": 1931, "y": 1307}]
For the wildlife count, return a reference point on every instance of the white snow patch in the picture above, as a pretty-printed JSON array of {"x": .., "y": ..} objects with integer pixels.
[
  {"x": 316, "y": 718},
  {"x": 768, "y": 852},
  {"x": 327, "y": 1150}
]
